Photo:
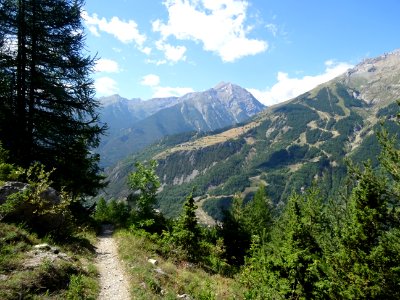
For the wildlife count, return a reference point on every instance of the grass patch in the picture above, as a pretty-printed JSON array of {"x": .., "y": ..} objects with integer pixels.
[
  {"x": 71, "y": 276},
  {"x": 82, "y": 287},
  {"x": 14, "y": 241},
  {"x": 170, "y": 277}
]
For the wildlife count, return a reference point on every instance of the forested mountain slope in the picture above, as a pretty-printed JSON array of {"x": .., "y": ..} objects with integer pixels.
[
  {"x": 135, "y": 124},
  {"x": 287, "y": 146}
]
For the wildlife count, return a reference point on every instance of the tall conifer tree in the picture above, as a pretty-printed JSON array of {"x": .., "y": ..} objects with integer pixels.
[{"x": 47, "y": 93}]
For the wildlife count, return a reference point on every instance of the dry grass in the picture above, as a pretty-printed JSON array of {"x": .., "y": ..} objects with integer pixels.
[
  {"x": 210, "y": 140},
  {"x": 169, "y": 278}
]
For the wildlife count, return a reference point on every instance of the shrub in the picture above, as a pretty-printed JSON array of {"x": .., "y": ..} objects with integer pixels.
[
  {"x": 39, "y": 206},
  {"x": 8, "y": 172}
]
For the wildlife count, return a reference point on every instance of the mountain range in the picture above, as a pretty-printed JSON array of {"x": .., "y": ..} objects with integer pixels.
[
  {"x": 287, "y": 146},
  {"x": 135, "y": 124}
]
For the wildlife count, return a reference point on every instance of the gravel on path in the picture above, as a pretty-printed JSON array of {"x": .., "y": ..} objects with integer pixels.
[{"x": 114, "y": 283}]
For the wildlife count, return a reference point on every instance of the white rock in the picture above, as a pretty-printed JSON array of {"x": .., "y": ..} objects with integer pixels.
[
  {"x": 42, "y": 247},
  {"x": 153, "y": 261}
]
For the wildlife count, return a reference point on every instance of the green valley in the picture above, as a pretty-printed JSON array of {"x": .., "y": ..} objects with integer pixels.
[{"x": 287, "y": 147}]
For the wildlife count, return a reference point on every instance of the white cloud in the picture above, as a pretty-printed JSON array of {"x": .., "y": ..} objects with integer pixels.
[
  {"x": 146, "y": 50},
  {"x": 107, "y": 65},
  {"x": 150, "y": 80},
  {"x": 125, "y": 31},
  {"x": 94, "y": 31},
  {"x": 172, "y": 53},
  {"x": 163, "y": 91},
  {"x": 287, "y": 88},
  {"x": 105, "y": 86},
  {"x": 329, "y": 63},
  {"x": 156, "y": 62},
  {"x": 218, "y": 25},
  {"x": 273, "y": 28},
  {"x": 153, "y": 81}
]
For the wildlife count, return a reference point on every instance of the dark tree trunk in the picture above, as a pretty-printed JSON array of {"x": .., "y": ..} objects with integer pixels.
[{"x": 20, "y": 113}]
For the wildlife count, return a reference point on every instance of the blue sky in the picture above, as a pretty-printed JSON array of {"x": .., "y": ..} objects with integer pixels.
[{"x": 277, "y": 49}]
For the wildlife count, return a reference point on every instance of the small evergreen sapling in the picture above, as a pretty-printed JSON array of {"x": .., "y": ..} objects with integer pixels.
[{"x": 187, "y": 233}]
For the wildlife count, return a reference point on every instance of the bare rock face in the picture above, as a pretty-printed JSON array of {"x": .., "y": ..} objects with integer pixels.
[{"x": 376, "y": 80}]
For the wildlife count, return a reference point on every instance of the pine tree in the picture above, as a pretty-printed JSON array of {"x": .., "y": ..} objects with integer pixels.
[
  {"x": 187, "y": 233},
  {"x": 48, "y": 102},
  {"x": 367, "y": 258},
  {"x": 243, "y": 222},
  {"x": 291, "y": 264},
  {"x": 7, "y": 69},
  {"x": 237, "y": 237},
  {"x": 258, "y": 213}
]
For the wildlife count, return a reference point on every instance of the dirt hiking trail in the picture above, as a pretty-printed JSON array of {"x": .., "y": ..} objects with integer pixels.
[{"x": 113, "y": 280}]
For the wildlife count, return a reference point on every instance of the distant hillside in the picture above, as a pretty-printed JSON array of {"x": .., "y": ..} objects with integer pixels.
[
  {"x": 287, "y": 146},
  {"x": 120, "y": 113},
  {"x": 135, "y": 124}
]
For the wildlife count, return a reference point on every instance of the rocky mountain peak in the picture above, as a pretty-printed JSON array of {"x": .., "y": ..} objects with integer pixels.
[
  {"x": 222, "y": 85},
  {"x": 110, "y": 99},
  {"x": 115, "y": 99},
  {"x": 229, "y": 88},
  {"x": 228, "y": 93},
  {"x": 370, "y": 65},
  {"x": 376, "y": 80}
]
